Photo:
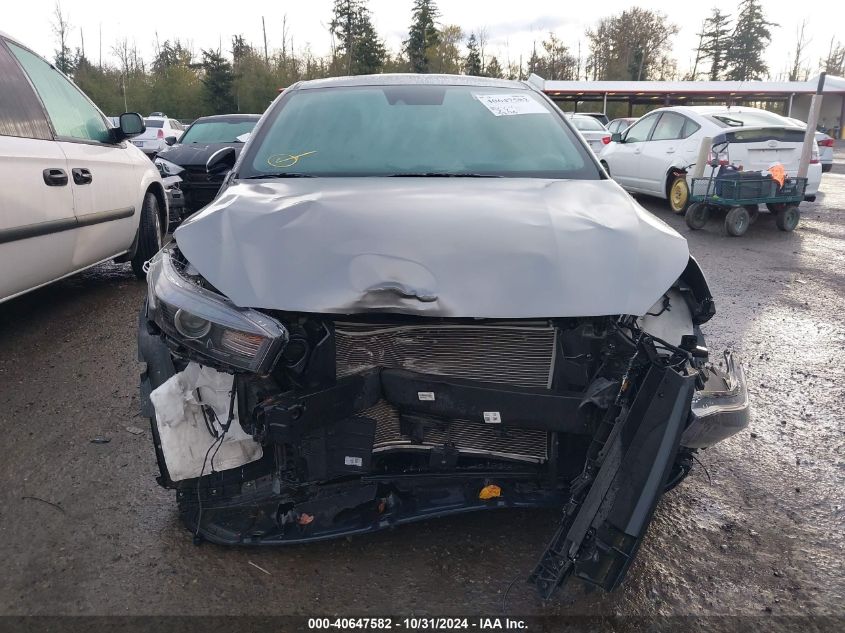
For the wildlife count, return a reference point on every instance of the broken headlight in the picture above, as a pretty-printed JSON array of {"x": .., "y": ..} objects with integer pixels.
[{"x": 207, "y": 322}]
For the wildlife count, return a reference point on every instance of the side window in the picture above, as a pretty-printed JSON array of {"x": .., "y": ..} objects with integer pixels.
[
  {"x": 73, "y": 116},
  {"x": 690, "y": 128},
  {"x": 21, "y": 113},
  {"x": 641, "y": 129},
  {"x": 669, "y": 127}
]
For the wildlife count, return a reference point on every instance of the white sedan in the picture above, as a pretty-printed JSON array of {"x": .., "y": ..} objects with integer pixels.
[
  {"x": 655, "y": 155},
  {"x": 591, "y": 130}
]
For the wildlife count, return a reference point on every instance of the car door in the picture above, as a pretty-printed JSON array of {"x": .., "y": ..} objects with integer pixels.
[
  {"x": 660, "y": 152},
  {"x": 103, "y": 175},
  {"x": 624, "y": 159},
  {"x": 36, "y": 203}
]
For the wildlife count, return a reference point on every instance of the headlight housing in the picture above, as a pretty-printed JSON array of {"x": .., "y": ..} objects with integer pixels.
[
  {"x": 166, "y": 168},
  {"x": 207, "y": 322}
]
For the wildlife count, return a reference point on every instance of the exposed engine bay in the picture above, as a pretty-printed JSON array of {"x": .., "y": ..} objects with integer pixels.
[{"x": 344, "y": 424}]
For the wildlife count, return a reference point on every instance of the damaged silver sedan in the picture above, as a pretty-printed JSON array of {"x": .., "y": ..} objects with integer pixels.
[{"x": 418, "y": 296}]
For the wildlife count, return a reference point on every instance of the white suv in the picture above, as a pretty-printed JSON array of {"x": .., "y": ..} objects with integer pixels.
[
  {"x": 73, "y": 192},
  {"x": 655, "y": 154}
]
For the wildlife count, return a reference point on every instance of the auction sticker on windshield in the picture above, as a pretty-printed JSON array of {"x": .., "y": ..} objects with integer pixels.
[{"x": 511, "y": 104}]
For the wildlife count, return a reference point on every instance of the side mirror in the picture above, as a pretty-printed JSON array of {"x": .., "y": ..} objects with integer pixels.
[
  {"x": 169, "y": 140},
  {"x": 221, "y": 161},
  {"x": 131, "y": 124},
  {"x": 616, "y": 137}
]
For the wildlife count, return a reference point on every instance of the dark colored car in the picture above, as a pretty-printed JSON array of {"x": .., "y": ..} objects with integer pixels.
[
  {"x": 421, "y": 295},
  {"x": 187, "y": 157}
]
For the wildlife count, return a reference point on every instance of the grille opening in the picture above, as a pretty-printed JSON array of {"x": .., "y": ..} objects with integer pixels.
[{"x": 520, "y": 355}]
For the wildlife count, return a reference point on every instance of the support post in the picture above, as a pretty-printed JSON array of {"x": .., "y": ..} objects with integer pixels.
[
  {"x": 810, "y": 134},
  {"x": 789, "y": 107},
  {"x": 604, "y": 107},
  {"x": 701, "y": 159}
]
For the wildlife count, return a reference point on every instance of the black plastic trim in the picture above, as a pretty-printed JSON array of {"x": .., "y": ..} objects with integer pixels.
[{"x": 28, "y": 231}]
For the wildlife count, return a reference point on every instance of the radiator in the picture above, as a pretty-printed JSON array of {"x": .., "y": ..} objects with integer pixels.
[{"x": 521, "y": 355}]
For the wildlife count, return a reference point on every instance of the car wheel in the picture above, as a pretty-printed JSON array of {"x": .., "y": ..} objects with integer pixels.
[
  {"x": 150, "y": 235},
  {"x": 787, "y": 218},
  {"x": 697, "y": 216},
  {"x": 737, "y": 221},
  {"x": 606, "y": 167},
  {"x": 679, "y": 194}
]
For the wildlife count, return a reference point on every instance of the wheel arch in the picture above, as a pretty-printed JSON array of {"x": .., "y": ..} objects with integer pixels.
[
  {"x": 672, "y": 173},
  {"x": 157, "y": 189}
]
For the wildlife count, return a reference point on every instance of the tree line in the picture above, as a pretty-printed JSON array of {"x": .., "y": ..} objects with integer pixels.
[{"x": 635, "y": 44}]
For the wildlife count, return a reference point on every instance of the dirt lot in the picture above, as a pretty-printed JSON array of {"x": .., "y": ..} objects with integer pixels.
[{"x": 764, "y": 532}]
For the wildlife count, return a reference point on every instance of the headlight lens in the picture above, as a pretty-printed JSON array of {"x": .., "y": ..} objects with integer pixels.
[
  {"x": 207, "y": 322},
  {"x": 166, "y": 168}
]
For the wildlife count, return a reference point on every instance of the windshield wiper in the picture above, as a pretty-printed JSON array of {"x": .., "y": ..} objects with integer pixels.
[
  {"x": 442, "y": 174},
  {"x": 279, "y": 175}
]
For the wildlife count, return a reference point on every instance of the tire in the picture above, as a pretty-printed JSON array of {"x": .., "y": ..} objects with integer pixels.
[
  {"x": 606, "y": 167},
  {"x": 678, "y": 194},
  {"x": 787, "y": 219},
  {"x": 737, "y": 221},
  {"x": 697, "y": 216},
  {"x": 150, "y": 235},
  {"x": 753, "y": 212}
]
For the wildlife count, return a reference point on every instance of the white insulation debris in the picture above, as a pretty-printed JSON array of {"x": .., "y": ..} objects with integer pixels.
[{"x": 184, "y": 430}]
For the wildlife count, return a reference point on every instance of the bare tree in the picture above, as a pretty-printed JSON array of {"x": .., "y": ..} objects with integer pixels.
[
  {"x": 801, "y": 44},
  {"x": 483, "y": 38},
  {"x": 699, "y": 52},
  {"x": 61, "y": 29}
]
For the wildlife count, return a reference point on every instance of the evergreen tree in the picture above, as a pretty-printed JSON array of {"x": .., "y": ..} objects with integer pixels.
[
  {"x": 371, "y": 53},
  {"x": 422, "y": 35},
  {"x": 494, "y": 69},
  {"x": 834, "y": 62},
  {"x": 217, "y": 83},
  {"x": 715, "y": 41},
  {"x": 472, "y": 63},
  {"x": 359, "y": 50},
  {"x": 751, "y": 37}
]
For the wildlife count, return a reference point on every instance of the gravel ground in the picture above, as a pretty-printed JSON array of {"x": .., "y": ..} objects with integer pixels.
[{"x": 758, "y": 528}]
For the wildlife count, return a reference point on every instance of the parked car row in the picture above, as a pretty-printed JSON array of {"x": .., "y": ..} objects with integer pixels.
[
  {"x": 185, "y": 159},
  {"x": 655, "y": 154}
]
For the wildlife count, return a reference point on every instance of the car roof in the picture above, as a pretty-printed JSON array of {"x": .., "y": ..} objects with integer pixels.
[
  {"x": 710, "y": 109},
  {"x": 228, "y": 118},
  {"x": 410, "y": 79}
]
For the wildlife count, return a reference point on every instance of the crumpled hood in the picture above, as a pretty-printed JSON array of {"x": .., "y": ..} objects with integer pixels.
[
  {"x": 192, "y": 154},
  {"x": 484, "y": 248}
]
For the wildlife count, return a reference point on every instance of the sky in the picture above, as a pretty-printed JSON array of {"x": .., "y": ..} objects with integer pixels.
[{"x": 512, "y": 26}]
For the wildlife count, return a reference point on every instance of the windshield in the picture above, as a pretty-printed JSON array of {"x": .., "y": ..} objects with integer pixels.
[
  {"x": 753, "y": 118},
  {"x": 429, "y": 130},
  {"x": 587, "y": 124},
  {"x": 217, "y": 131},
  {"x": 154, "y": 122}
]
